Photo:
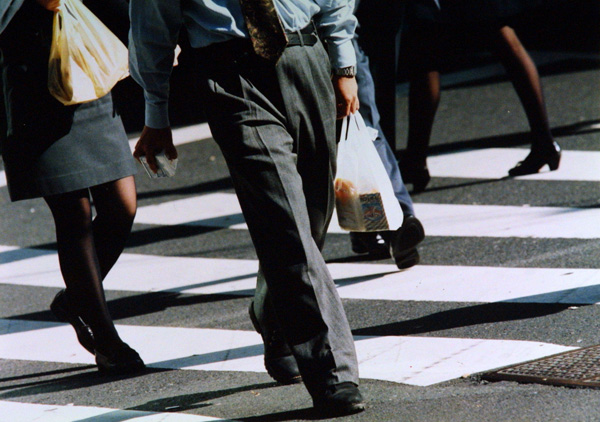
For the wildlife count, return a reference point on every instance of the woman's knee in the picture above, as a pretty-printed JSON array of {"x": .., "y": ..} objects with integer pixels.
[
  {"x": 71, "y": 209},
  {"x": 116, "y": 201}
]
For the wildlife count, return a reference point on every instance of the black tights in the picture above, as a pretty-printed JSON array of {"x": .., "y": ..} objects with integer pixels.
[
  {"x": 88, "y": 248},
  {"x": 424, "y": 93}
]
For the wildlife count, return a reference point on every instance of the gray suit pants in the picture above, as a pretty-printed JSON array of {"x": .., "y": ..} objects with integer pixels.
[{"x": 276, "y": 128}]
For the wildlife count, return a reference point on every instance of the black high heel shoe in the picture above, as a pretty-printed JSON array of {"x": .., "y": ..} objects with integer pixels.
[
  {"x": 64, "y": 313},
  {"x": 122, "y": 360},
  {"x": 536, "y": 160}
]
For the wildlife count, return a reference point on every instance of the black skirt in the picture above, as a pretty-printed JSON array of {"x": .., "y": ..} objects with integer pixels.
[{"x": 51, "y": 148}]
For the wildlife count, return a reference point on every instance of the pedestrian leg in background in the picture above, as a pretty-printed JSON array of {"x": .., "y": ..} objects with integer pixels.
[
  {"x": 427, "y": 42},
  {"x": 402, "y": 244},
  {"x": 525, "y": 78},
  {"x": 423, "y": 101}
]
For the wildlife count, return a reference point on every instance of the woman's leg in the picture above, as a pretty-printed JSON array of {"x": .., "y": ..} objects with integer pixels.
[
  {"x": 87, "y": 251},
  {"x": 423, "y": 100},
  {"x": 525, "y": 78},
  {"x": 79, "y": 263},
  {"x": 116, "y": 205}
]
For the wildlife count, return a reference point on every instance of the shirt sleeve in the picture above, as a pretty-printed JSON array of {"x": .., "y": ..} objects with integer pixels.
[
  {"x": 337, "y": 24},
  {"x": 155, "y": 26}
]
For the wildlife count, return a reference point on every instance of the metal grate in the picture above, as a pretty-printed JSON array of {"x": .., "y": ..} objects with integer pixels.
[{"x": 575, "y": 368}]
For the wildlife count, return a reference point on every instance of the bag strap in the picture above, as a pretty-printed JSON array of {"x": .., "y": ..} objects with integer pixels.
[{"x": 346, "y": 125}]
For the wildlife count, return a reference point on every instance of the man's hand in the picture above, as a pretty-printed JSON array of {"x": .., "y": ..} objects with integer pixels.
[
  {"x": 151, "y": 142},
  {"x": 346, "y": 95},
  {"x": 51, "y": 5}
]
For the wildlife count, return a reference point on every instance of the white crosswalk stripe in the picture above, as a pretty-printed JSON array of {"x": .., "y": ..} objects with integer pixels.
[
  {"x": 22, "y": 412},
  {"x": 389, "y": 358},
  {"x": 574, "y": 165},
  {"x": 355, "y": 281},
  {"x": 223, "y": 210}
]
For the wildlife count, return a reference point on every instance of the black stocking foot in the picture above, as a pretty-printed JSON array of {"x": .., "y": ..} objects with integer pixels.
[{"x": 65, "y": 313}]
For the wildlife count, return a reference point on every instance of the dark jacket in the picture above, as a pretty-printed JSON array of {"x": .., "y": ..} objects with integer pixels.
[
  {"x": 8, "y": 8},
  {"x": 25, "y": 46}
]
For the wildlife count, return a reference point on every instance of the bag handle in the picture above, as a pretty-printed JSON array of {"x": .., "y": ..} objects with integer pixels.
[{"x": 346, "y": 122}]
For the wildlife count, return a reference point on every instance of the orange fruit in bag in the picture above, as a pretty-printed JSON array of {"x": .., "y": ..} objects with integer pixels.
[{"x": 345, "y": 191}]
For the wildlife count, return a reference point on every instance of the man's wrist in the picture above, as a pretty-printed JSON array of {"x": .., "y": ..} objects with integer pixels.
[
  {"x": 347, "y": 72},
  {"x": 157, "y": 115}
]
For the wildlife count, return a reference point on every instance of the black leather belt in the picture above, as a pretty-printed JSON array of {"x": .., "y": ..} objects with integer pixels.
[
  {"x": 239, "y": 50},
  {"x": 305, "y": 36}
]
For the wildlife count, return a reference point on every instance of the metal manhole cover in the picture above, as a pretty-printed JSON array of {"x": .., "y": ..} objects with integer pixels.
[{"x": 575, "y": 368}]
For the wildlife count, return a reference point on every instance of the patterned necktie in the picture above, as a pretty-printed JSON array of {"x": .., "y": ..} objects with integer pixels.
[{"x": 265, "y": 28}]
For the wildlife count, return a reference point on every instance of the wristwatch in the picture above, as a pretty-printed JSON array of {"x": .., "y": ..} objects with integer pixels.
[{"x": 348, "y": 72}]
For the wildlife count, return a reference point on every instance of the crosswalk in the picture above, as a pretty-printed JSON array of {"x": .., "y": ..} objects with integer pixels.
[
  {"x": 222, "y": 210},
  {"x": 435, "y": 283},
  {"x": 407, "y": 359},
  {"x": 53, "y": 413},
  {"x": 575, "y": 165}
]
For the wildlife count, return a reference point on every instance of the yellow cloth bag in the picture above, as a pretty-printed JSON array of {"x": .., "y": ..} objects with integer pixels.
[{"x": 86, "y": 58}]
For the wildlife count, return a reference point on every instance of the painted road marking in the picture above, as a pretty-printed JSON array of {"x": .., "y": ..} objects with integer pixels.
[
  {"x": 438, "y": 283},
  {"x": 28, "y": 412},
  {"x": 494, "y": 163},
  {"x": 223, "y": 210},
  {"x": 409, "y": 360}
]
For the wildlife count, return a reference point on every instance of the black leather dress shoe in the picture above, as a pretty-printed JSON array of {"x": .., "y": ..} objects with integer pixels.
[
  {"x": 369, "y": 243},
  {"x": 279, "y": 362},
  {"x": 64, "y": 313},
  {"x": 339, "y": 400},
  {"x": 536, "y": 160},
  {"x": 120, "y": 361},
  {"x": 403, "y": 242}
]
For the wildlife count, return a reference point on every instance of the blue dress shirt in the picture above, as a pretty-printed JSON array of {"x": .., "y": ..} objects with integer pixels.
[{"x": 155, "y": 26}]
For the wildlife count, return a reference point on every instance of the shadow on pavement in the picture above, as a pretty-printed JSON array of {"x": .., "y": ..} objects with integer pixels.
[
  {"x": 91, "y": 377},
  {"x": 140, "y": 304},
  {"x": 43, "y": 374},
  {"x": 463, "y": 317},
  {"x": 196, "y": 400}
]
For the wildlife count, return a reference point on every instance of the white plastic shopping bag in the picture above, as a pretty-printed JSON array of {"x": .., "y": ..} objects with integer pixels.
[
  {"x": 364, "y": 196},
  {"x": 86, "y": 58}
]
